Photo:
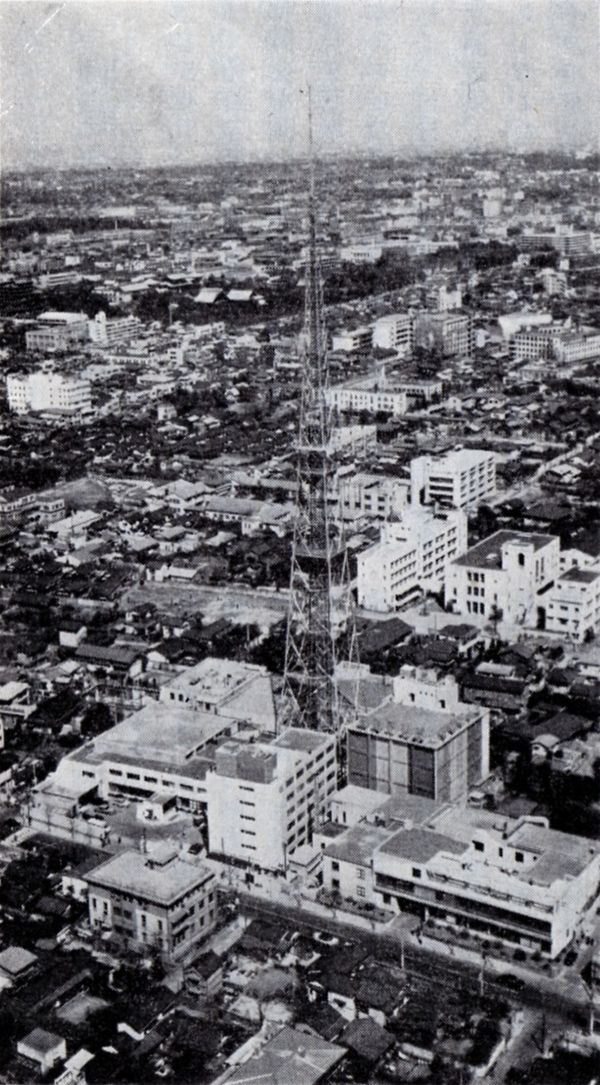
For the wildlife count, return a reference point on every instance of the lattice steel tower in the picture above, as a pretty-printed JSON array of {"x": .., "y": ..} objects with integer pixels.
[{"x": 319, "y": 559}]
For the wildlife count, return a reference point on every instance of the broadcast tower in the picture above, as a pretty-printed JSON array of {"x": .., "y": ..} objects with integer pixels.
[{"x": 319, "y": 576}]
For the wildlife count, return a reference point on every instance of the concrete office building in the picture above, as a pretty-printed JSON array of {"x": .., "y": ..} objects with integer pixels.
[
  {"x": 266, "y": 798},
  {"x": 412, "y": 555},
  {"x": 395, "y": 332},
  {"x": 574, "y": 604},
  {"x": 155, "y": 902},
  {"x": 57, "y": 331},
  {"x": 373, "y": 394},
  {"x": 531, "y": 343},
  {"x": 511, "y": 572},
  {"x": 223, "y": 687},
  {"x": 406, "y": 749},
  {"x": 108, "y": 331},
  {"x": 449, "y": 333},
  {"x": 350, "y": 342},
  {"x": 41, "y": 391},
  {"x": 513, "y": 879},
  {"x": 361, "y": 495},
  {"x": 462, "y": 478}
]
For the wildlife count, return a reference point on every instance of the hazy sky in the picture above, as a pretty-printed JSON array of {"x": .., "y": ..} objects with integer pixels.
[{"x": 150, "y": 81}]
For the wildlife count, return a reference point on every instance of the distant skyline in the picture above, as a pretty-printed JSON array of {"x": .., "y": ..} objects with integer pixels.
[{"x": 151, "y": 82}]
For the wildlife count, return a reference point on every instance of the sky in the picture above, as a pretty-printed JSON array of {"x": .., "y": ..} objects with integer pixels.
[{"x": 147, "y": 82}]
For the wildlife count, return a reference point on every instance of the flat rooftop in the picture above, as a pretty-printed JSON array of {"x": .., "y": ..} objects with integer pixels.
[
  {"x": 419, "y": 726},
  {"x": 358, "y": 844},
  {"x": 153, "y": 879},
  {"x": 488, "y": 553},
  {"x": 299, "y": 740},
  {"x": 214, "y": 680},
  {"x": 173, "y": 733},
  {"x": 581, "y": 576},
  {"x": 420, "y": 845}
]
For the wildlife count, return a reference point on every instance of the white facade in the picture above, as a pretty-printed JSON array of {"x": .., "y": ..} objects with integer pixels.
[
  {"x": 264, "y": 800},
  {"x": 224, "y": 687},
  {"x": 48, "y": 391},
  {"x": 57, "y": 331},
  {"x": 507, "y": 878},
  {"x": 352, "y": 341},
  {"x": 459, "y": 479},
  {"x": 107, "y": 331},
  {"x": 574, "y": 604},
  {"x": 368, "y": 394},
  {"x": 394, "y": 332},
  {"x": 511, "y": 572},
  {"x": 577, "y": 348},
  {"x": 374, "y": 497},
  {"x": 537, "y": 342},
  {"x": 413, "y": 553}
]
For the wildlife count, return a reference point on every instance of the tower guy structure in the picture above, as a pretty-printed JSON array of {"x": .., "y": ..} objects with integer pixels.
[{"x": 319, "y": 572}]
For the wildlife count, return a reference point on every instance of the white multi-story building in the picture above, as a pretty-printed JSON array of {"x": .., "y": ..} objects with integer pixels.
[
  {"x": 450, "y": 333},
  {"x": 514, "y": 879},
  {"x": 106, "y": 331},
  {"x": 42, "y": 391},
  {"x": 153, "y": 902},
  {"x": 265, "y": 799},
  {"x": 353, "y": 440},
  {"x": 461, "y": 479},
  {"x": 223, "y": 687},
  {"x": 574, "y": 604},
  {"x": 535, "y": 342},
  {"x": 394, "y": 332},
  {"x": 510, "y": 573},
  {"x": 352, "y": 341},
  {"x": 413, "y": 554},
  {"x": 577, "y": 347},
  {"x": 373, "y": 394},
  {"x": 57, "y": 331},
  {"x": 359, "y": 494}
]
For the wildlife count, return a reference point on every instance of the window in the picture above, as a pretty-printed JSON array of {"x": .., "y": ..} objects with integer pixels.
[
  {"x": 361, "y": 873},
  {"x": 335, "y": 883},
  {"x": 521, "y": 559},
  {"x": 416, "y": 872},
  {"x": 478, "y": 845},
  {"x": 361, "y": 892},
  {"x": 335, "y": 865},
  {"x": 518, "y": 857}
]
